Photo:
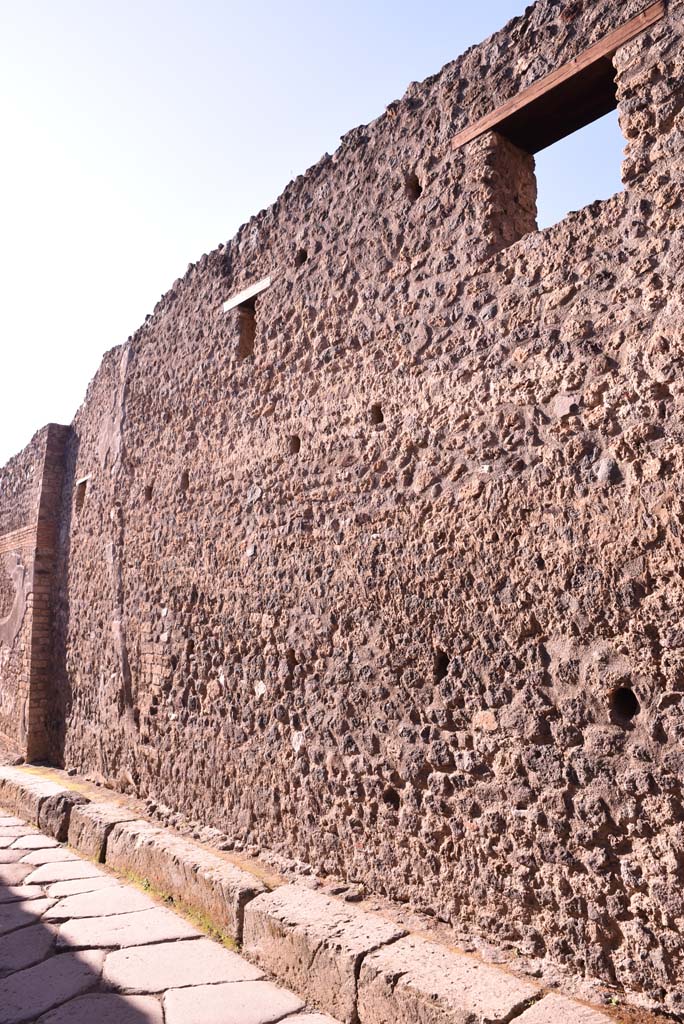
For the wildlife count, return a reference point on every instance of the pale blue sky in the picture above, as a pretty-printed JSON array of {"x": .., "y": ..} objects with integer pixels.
[{"x": 137, "y": 135}]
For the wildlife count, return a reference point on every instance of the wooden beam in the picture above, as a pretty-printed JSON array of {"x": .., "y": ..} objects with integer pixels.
[
  {"x": 604, "y": 49},
  {"x": 247, "y": 294}
]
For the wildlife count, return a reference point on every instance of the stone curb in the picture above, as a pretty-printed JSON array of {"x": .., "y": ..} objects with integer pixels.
[
  {"x": 186, "y": 871},
  {"x": 359, "y": 967}
]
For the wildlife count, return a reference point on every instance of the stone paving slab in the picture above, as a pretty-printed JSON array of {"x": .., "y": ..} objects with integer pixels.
[
  {"x": 12, "y": 893},
  {"x": 314, "y": 944},
  {"x": 249, "y": 1002},
  {"x": 26, "y": 947},
  {"x": 57, "y": 890},
  {"x": 55, "y": 855},
  {"x": 18, "y": 915},
  {"x": 30, "y": 993},
  {"x": 184, "y": 870},
  {"x": 555, "y": 1009},
  {"x": 63, "y": 871},
  {"x": 105, "y": 1008},
  {"x": 121, "y": 930},
  {"x": 14, "y": 874},
  {"x": 34, "y": 842},
  {"x": 120, "y": 899},
  {"x": 176, "y": 965},
  {"x": 415, "y": 981},
  {"x": 10, "y": 856}
]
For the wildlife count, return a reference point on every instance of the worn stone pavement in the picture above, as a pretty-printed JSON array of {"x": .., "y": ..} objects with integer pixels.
[{"x": 78, "y": 946}]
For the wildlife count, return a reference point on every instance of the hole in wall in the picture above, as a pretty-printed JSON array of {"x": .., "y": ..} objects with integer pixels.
[
  {"x": 440, "y": 665},
  {"x": 246, "y": 329},
  {"x": 301, "y": 257},
  {"x": 392, "y": 799},
  {"x": 148, "y": 492},
  {"x": 294, "y": 444},
  {"x": 80, "y": 495},
  {"x": 413, "y": 187},
  {"x": 376, "y": 416},
  {"x": 624, "y": 704},
  {"x": 184, "y": 481}
]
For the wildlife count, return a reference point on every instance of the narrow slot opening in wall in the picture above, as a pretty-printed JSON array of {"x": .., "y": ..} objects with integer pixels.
[
  {"x": 376, "y": 415},
  {"x": 80, "y": 494},
  {"x": 413, "y": 187},
  {"x": 580, "y": 169},
  {"x": 246, "y": 328},
  {"x": 294, "y": 445}
]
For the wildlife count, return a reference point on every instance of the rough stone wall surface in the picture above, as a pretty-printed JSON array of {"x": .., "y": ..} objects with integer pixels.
[{"x": 400, "y": 594}]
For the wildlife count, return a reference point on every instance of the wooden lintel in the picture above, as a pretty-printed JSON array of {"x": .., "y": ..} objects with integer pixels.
[
  {"x": 247, "y": 294},
  {"x": 593, "y": 57}
]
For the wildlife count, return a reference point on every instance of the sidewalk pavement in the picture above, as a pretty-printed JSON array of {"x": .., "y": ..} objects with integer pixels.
[{"x": 78, "y": 946}]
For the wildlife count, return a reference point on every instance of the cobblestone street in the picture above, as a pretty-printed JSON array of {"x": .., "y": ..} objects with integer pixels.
[{"x": 77, "y": 946}]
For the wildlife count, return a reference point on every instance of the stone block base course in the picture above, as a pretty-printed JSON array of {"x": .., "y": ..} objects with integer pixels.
[
  {"x": 184, "y": 870},
  {"x": 418, "y": 982},
  {"x": 38, "y": 801},
  {"x": 314, "y": 944},
  {"x": 91, "y": 824}
]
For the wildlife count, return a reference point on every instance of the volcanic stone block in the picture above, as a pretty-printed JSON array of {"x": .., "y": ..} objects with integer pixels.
[
  {"x": 23, "y": 793},
  {"x": 418, "y": 982},
  {"x": 562, "y": 1011},
  {"x": 175, "y": 965},
  {"x": 314, "y": 944},
  {"x": 55, "y": 812},
  {"x": 91, "y": 824},
  {"x": 185, "y": 871}
]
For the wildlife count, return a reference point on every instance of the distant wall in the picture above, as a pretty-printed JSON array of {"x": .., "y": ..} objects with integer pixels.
[
  {"x": 30, "y": 497},
  {"x": 400, "y": 593}
]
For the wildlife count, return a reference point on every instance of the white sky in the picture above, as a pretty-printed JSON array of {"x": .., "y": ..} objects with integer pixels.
[{"x": 138, "y": 135}]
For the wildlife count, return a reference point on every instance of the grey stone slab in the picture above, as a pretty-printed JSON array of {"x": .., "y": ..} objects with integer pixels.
[
  {"x": 555, "y": 1009},
  {"x": 19, "y": 915},
  {"x": 32, "y": 992},
  {"x": 415, "y": 981},
  {"x": 184, "y": 870},
  {"x": 106, "y": 1008},
  {"x": 6, "y": 842},
  {"x": 121, "y": 930},
  {"x": 12, "y": 893},
  {"x": 10, "y": 856},
  {"x": 91, "y": 824},
  {"x": 63, "y": 871},
  {"x": 15, "y": 831},
  {"x": 175, "y": 965},
  {"x": 14, "y": 874},
  {"x": 121, "y": 899},
  {"x": 313, "y": 943},
  {"x": 52, "y": 855},
  {"x": 58, "y": 890},
  {"x": 36, "y": 841},
  {"x": 26, "y": 947},
  {"x": 248, "y": 1002},
  {"x": 8, "y": 819}
]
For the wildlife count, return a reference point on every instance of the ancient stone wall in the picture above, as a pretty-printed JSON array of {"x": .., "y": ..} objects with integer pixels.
[
  {"x": 30, "y": 496},
  {"x": 383, "y": 570}
]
